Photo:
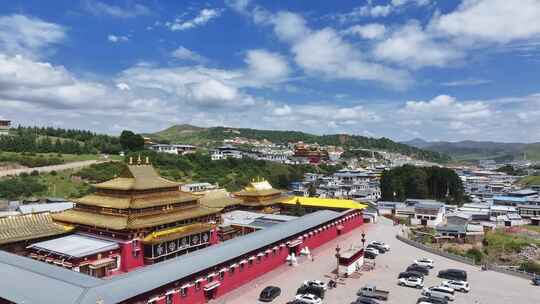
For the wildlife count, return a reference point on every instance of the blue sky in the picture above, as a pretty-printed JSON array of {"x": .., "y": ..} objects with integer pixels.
[{"x": 439, "y": 70}]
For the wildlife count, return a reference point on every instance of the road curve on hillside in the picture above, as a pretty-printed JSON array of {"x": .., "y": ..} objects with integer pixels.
[{"x": 45, "y": 169}]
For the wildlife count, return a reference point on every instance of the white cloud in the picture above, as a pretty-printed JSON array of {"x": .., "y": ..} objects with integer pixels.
[
  {"x": 203, "y": 17},
  {"x": 411, "y": 46},
  {"x": 282, "y": 111},
  {"x": 325, "y": 53},
  {"x": 23, "y": 72},
  {"x": 115, "y": 39},
  {"x": 240, "y": 6},
  {"x": 499, "y": 21},
  {"x": 367, "y": 31},
  {"x": 28, "y": 36},
  {"x": 466, "y": 82},
  {"x": 130, "y": 10},
  {"x": 123, "y": 86},
  {"x": 290, "y": 26},
  {"x": 377, "y": 11},
  {"x": 183, "y": 53},
  {"x": 266, "y": 67},
  {"x": 211, "y": 90}
]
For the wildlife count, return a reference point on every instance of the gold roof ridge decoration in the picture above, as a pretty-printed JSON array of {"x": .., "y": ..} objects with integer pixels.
[{"x": 137, "y": 177}]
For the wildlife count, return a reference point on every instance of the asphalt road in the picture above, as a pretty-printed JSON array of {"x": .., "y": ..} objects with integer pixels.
[
  {"x": 487, "y": 287},
  {"x": 72, "y": 165}
]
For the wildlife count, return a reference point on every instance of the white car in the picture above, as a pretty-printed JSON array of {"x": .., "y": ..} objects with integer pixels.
[
  {"x": 315, "y": 283},
  {"x": 381, "y": 244},
  {"x": 411, "y": 282},
  {"x": 424, "y": 262},
  {"x": 440, "y": 292},
  {"x": 457, "y": 285},
  {"x": 373, "y": 250},
  {"x": 308, "y": 299}
]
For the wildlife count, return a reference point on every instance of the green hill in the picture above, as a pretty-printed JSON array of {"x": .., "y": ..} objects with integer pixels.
[
  {"x": 210, "y": 137},
  {"x": 469, "y": 150}
]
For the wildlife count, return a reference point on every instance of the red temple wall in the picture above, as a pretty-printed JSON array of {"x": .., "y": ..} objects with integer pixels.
[
  {"x": 251, "y": 272},
  {"x": 129, "y": 259}
]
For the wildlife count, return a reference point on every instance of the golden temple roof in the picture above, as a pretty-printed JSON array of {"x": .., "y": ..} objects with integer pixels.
[
  {"x": 175, "y": 233},
  {"x": 126, "y": 222},
  {"x": 28, "y": 227},
  {"x": 138, "y": 177},
  {"x": 218, "y": 199},
  {"x": 259, "y": 187},
  {"x": 143, "y": 201}
]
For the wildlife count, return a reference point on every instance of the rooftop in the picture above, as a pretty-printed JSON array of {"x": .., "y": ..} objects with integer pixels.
[
  {"x": 28, "y": 227},
  {"x": 50, "y": 207},
  {"x": 75, "y": 245},
  {"x": 63, "y": 286},
  {"x": 138, "y": 177},
  {"x": 324, "y": 202}
]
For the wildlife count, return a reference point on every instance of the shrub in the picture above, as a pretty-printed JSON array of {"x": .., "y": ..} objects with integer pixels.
[
  {"x": 476, "y": 254},
  {"x": 530, "y": 266},
  {"x": 34, "y": 173}
]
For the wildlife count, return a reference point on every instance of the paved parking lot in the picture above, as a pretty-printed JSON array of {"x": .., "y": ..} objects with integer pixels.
[{"x": 486, "y": 287}]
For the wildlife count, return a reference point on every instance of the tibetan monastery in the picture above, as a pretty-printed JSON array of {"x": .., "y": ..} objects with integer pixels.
[
  {"x": 259, "y": 195},
  {"x": 149, "y": 218}
]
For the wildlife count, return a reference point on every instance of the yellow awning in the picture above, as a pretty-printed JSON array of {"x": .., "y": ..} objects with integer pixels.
[{"x": 330, "y": 203}]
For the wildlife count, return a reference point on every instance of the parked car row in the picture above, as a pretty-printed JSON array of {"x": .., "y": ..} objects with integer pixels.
[{"x": 455, "y": 280}]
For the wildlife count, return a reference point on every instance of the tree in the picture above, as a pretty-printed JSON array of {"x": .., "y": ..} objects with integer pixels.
[
  {"x": 422, "y": 182},
  {"x": 131, "y": 141},
  {"x": 298, "y": 209}
]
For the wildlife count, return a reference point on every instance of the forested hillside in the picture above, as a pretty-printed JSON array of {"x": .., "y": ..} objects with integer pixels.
[
  {"x": 469, "y": 150},
  {"x": 188, "y": 134},
  {"x": 53, "y": 140},
  {"x": 409, "y": 181}
]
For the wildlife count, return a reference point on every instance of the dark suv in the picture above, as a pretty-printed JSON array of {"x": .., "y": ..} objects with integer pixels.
[
  {"x": 408, "y": 274},
  {"x": 453, "y": 274},
  {"x": 269, "y": 293},
  {"x": 417, "y": 268}
]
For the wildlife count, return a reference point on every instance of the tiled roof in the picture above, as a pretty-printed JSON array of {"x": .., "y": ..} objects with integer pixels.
[
  {"x": 218, "y": 199},
  {"x": 121, "y": 222},
  {"x": 145, "y": 201},
  {"x": 137, "y": 177},
  {"x": 28, "y": 227}
]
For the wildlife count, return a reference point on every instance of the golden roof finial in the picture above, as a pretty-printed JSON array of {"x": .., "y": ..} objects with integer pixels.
[
  {"x": 148, "y": 160},
  {"x": 131, "y": 160},
  {"x": 139, "y": 159}
]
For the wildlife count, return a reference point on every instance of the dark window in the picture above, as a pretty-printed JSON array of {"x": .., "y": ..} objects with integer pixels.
[
  {"x": 168, "y": 299},
  {"x": 183, "y": 291},
  {"x": 221, "y": 275},
  {"x": 198, "y": 285}
]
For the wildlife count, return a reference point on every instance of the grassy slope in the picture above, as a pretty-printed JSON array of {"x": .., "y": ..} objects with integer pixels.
[
  {"x": 61, "y": 185},
  {"x": 530, "y": 180}
]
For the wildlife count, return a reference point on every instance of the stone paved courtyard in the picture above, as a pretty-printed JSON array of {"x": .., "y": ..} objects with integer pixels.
[{"x": 486, "y": 287}]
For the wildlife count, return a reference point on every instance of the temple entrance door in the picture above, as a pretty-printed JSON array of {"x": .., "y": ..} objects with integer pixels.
[{"x": 210, "y": 294}]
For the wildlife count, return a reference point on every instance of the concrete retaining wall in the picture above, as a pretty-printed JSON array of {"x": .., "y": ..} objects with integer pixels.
[
  {"x": 464, "y": 259},
  {"x": 437, "y": 252}
]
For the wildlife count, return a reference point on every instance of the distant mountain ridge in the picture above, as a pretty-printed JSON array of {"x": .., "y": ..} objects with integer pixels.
[
  {"x": 469, "y": 150},
  {"x": 188, "y": 134}
]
